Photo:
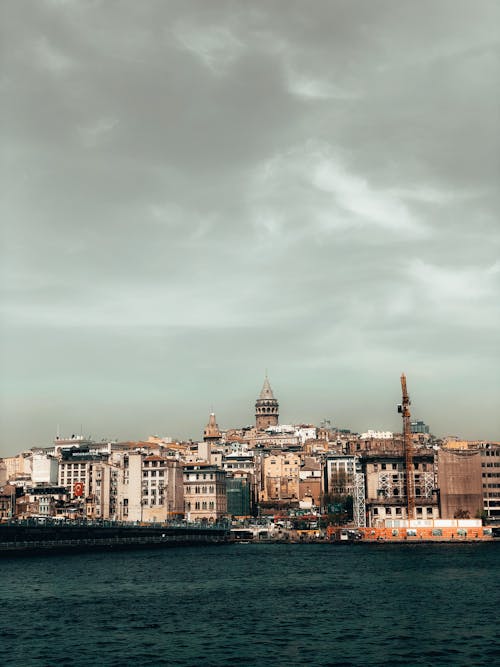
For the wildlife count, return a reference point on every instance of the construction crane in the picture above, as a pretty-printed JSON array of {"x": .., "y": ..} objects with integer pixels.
[{"x": 404, "y": 409}]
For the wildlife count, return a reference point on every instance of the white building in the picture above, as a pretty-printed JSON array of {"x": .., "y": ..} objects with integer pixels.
[
  {"x": 376, "y": 435},
  {"x": 44, "y": 469}
]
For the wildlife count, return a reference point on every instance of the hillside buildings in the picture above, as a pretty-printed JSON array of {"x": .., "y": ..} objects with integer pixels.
[{"x": 261, "y": 470}]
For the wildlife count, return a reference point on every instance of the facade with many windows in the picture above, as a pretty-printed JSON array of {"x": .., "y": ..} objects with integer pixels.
[
  {"x": 205, "y": 497},
  {"x": 386, "y": 486},
  {"x": 490, "y": 474}
]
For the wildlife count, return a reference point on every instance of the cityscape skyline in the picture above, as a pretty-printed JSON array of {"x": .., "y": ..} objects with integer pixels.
[
  {"x": 66, "y": 430},
  {"x": 195, "y": 192}
]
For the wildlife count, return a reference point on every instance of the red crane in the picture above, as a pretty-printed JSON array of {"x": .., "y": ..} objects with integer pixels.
[{"x": 404, "y": 409}]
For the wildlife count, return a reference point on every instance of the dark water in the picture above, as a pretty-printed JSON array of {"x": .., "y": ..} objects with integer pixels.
[{"x": 254, "y": 605}]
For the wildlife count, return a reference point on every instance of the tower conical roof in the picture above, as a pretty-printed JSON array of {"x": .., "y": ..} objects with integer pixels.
[
  {"x": 212, "y": 428},
  {"x": 266, "y": 392}
]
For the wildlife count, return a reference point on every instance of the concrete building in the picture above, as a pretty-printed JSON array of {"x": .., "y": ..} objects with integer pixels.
[
  {"x": 17, "y": 465},
  {"x": 44, "y": 469},
  {"x": 386, "y": 486},
  {"x": 149, "y": 488},
  {"x": 490, "y": 472},
  {"x": 460, "y": 483},
  {"x": 102, "y": 497},
  {"x": 280, "y": 477},
  {"x": 376, "y": 435},
  {"x": 205, "y": 495},
  {"x": 344, "y": 476},
  {"x": 3, "y": 473},
  {"x": 7, "y": 501},
  {"x": 162, "y": 488},
  {"x": 339, "y": 474},
  {"x": 46, "y": 500},
  {"x": 266, "y": 408},
  {"x": 310, "y": 483},
  {"x": 76, "y": 467}
]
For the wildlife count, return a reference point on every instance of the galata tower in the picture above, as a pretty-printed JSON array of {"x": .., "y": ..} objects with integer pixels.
[{"x": 266, "y": 408}]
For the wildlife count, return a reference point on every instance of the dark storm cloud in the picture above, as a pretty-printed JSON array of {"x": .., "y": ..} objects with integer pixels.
[{"x": 195, "y": 191}]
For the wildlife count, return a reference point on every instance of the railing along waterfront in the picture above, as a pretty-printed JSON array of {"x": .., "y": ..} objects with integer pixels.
[{"x": 33, "y": 535}]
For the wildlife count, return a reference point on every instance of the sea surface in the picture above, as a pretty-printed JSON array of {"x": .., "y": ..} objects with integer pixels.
[{"x": 254, "y": 604}]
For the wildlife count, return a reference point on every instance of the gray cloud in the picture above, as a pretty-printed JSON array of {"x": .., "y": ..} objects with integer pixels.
[{"x": 197, "y": 191}]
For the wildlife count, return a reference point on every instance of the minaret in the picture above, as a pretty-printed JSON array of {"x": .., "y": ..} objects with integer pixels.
[
  {"x": 211, "y": 432},
  {"x": 266, "y": 408}
]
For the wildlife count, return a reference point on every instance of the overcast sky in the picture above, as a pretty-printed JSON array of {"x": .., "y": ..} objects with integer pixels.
[{"x": 193, "y": 192}]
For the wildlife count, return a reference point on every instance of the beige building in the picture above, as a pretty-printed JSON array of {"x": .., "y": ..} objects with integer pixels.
[
  {"x": 280, "y": 477},
  {"x": 205, "y": 497},
  {"x": 102, "y": 497},
  {"x": 17, "y": 465},
  {"x": 149, "y": 488},
  {"x": 3, "y": 473},
  {"x": 310, "y": 483},
  {"x": 7, "y": 501}
]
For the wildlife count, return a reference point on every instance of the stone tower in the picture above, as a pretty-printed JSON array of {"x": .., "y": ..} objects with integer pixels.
[
  {"x": 266, "y": 408},
  {"x": 211, "y": 432}
]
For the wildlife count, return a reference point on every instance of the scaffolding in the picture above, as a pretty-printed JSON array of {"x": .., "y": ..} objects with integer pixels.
[
  {"x": 427, "y": 484},
  {"x": 359, "y": 509}
]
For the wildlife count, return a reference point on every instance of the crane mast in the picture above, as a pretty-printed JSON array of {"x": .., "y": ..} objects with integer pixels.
[{"x": 404, "y": 408}]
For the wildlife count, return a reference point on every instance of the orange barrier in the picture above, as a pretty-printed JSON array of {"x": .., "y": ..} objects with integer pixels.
[{"x": 444, "y": 534}]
